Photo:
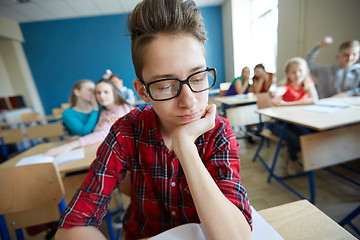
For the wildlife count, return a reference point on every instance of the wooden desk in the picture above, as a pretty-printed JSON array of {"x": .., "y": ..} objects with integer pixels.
[
  {"x": 302, "y": 220},
  {"x": 339, "y": 130},
  {"x": 77, "y": 165},
  {"x": 240, "y": 99},
  {"x": 39, "y": 120},
  {"x": 316, "y": 120},
  {"x": 336, "y": 142}
]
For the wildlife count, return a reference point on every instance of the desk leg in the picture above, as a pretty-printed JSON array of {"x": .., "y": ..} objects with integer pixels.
[
  {"x": 19, "y": 234},
  {"x": 347, "y": 220},
  {"x": 280, "y": 179},
  {"x": 3, "y": 148},
  {"x": 4, "y": 232},
  {"x": 282, "y": 134},
  {"x": 312, "y": 186}
]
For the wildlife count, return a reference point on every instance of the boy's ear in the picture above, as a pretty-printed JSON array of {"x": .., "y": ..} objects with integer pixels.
[
  {"x": 141, "y": 91},
  {"x": 337, "y": 56}
]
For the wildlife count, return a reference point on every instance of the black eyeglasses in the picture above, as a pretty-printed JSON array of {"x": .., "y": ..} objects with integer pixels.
[{"x": 166, "y": 89}]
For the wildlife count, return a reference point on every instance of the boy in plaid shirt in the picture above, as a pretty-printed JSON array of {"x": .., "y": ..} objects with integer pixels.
[{"x": 182, "y": 159}]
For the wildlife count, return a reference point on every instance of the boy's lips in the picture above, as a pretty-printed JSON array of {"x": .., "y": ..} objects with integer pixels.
[{"x": 189, "y": 117}]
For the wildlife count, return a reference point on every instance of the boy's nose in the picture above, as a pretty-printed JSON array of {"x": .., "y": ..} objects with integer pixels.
[{"x": 186, "y": 97}]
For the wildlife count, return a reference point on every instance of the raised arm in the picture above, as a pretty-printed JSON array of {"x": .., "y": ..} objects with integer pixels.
[{"x": 313, "y": 53}]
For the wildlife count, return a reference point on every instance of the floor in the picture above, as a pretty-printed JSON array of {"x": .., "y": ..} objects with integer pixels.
[{"x": 334, "y": 196}]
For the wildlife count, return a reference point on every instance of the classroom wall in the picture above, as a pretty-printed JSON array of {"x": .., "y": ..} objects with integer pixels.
[
  {"x": 15, "y": 74},
  {"x": 62, "y": 52},
  {"x": 6, "y": 87},
  {"x": 228, "y": 46},
  {"x": 302, "y": 23},
  {"x": 10, "y": 29}
]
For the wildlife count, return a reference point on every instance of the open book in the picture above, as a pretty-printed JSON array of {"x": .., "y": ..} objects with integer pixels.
[
  {"x": 194, "y": 231},
  {"x": 61, "y": 159}
]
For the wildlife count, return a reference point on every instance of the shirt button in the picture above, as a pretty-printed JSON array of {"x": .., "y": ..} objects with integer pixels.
[
  {"x": 173, "y": 184},
  {"x": 173, "y": 213}
]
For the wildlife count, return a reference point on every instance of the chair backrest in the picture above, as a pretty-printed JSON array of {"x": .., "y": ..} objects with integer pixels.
[
  {"x": 27, "y": 188},
  {"x": 29, "y": 117},
  {"x": 264, "y": 100},
  {"x": 243, "y": 115},
  {"x": 50, "y": 130},
  {"x": 12, "y": 135},
  {"x": 224, "y": 87},
  {"x": 56, "y": 112},
  {"x": 65, "y": 105}
]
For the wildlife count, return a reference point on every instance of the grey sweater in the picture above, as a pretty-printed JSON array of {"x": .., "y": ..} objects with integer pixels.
[{"x": 332, "y": 79}]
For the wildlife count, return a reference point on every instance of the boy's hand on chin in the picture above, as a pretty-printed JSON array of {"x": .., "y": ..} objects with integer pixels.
[{"x": 192, "y": 130}]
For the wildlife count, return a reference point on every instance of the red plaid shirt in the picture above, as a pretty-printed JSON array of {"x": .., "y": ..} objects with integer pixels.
[{"x": 160, "y": 196}]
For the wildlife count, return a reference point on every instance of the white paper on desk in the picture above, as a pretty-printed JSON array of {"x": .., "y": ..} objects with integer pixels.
[
  {"x": 262, "y": 229},
  {"x": 61, "y": 159},
  {"x": 236, "y": 98},
  {"x": 78, "y": 153},
  {"x": 333, "y": 104},
  {"x": 193, "y": 231},
  {"x": 322, "y": 109},
  {"x": 190, "y": 231},
  {"x": 35, "y": 159}
]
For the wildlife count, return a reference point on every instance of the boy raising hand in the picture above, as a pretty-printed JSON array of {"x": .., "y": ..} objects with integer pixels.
[{"x": 341, "y": 80}]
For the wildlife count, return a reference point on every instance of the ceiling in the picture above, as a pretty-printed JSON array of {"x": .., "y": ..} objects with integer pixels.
[{"x": 43, "y": 10}]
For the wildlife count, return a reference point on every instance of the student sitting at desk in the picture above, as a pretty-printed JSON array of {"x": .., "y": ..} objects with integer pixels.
[
  {"x": 114, "y": 107},
  {"x": 82, "y": 115},
  {"x": 340, "y": 80},
  {"x": 240, "y": 85},
  {"x": 299, "y": 90},
  {"x": 182, "y": 158},
  {"x": 262, "y": 80}
]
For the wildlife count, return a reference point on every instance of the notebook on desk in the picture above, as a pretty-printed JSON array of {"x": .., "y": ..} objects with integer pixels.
[{"x": 194, "y": 231}]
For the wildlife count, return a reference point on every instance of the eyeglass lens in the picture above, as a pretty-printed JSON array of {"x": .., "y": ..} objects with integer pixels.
[{"x": 169, "y": 88}]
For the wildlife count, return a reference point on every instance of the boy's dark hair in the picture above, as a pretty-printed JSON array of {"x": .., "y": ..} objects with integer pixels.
[
  {"x": 349, "y": 44},
  {"x": 151, "y": 17},
  {"x": 259, "y": 66}
]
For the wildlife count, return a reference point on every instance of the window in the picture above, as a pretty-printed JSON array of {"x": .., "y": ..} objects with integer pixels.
[{"x": 264, "y": 23}]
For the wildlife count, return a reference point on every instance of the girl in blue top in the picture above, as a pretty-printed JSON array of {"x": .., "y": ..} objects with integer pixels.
[
  {"x": 82, "y": 116},
  {"x": 240, "y": 85}
]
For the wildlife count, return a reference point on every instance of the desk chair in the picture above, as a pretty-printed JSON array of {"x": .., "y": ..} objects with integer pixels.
[
  {"x": 10, "y": 136},
  {"x": 223, "y": 88},
  {"x": 45, "y": 131},
  {"x": 30, "y": 195},
  {"x": 65, "y": 105},
  {"x": 266, "y": 136},
  {"x": 242, "y": 116},
  {"x": 57, "y": 112},
  {"x": 29, "y": 117}
]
